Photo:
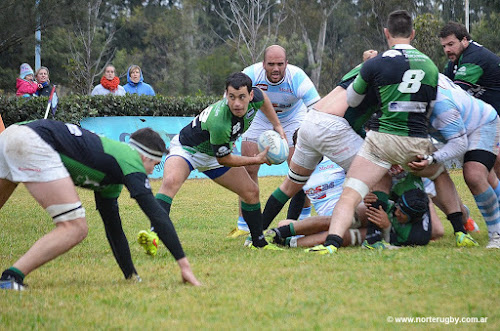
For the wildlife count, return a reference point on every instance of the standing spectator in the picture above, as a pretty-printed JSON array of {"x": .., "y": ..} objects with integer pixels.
[
  {"x": 25, "y": 85},
  {"x": 136, "y": 83},
  {"x": 110, "y": 83},
  {"x": 43, "y": 78}
]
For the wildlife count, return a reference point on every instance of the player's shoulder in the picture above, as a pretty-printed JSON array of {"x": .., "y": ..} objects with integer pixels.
[
  {"x": 219, "y": 116},
  {"x": 253, "y": 69}
]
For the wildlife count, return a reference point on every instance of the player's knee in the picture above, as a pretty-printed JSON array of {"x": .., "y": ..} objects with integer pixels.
[
  {"x": 251, "y": 194},
  {"x": 71, "y": 217},
  {"x": 75, "y": 230}
]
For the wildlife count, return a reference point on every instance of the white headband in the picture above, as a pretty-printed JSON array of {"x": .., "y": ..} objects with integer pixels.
[{"x": 147, "y": 152}]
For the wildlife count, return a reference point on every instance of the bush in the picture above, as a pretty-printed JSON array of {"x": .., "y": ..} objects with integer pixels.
[{"x": 73, "y": 108}]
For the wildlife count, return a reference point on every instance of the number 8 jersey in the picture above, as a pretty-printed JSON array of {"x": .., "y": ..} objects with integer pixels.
[{"x": 405, "y": 81}]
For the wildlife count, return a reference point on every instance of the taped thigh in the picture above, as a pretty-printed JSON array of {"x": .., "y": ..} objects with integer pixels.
[
  {"x": 66, "y": 212},
  {"x": 357, "y": 185}
]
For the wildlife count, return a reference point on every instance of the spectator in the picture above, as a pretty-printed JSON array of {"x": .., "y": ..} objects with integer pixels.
[
  {"x": 136, "y": 83},
  {"x": 43, "y": 78},
  {"x": 25, "y": 85},
  {"x": 110, "y": 83}
]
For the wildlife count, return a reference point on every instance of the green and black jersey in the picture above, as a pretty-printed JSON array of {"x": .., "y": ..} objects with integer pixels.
[
  {"x": 358, "y": 116},
  {"x": 95, "y": 162},
  {"x": 405, "y": 81},
  {"x": 104, "y": 166},
  {"x": 215, "y": 129},
  {"x": 478, "y": 72}
]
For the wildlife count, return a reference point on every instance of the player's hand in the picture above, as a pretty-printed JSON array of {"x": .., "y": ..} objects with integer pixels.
[
  {"x": 262, "y": 157},
  {"x": 279, "y": 129},
  {"x": 369, "y": 199},
  {"x": 188, "y": 277},
  {"x": 378, "y": 217},
  {"x": 419, "y": 164},
  {"x": 187, "y": 273},
  {"x": 368, "y": 54}
]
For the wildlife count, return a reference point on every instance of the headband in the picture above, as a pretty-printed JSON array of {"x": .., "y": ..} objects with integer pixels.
[{"x": 145, "y": 151}]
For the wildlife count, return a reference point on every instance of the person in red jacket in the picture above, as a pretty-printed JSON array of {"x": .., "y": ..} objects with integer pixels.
[{"x": 25, "y": 85}]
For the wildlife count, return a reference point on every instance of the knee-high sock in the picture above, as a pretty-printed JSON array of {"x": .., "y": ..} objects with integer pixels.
[
  {"x": 165, "y": 201},
  {"x": 487, "y": 203},
  {"x": 273, "y": 206},
  {"x": 296, "y": 205},
  {"x": 253, "y": 217}
]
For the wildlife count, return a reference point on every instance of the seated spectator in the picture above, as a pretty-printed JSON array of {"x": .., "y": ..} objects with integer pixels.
[
  {"x": 43, "y": 78},
  {"x": 110, "y": 83},
  {"x": 136, "y": 83},
  {"x": 25, "y": 85}
]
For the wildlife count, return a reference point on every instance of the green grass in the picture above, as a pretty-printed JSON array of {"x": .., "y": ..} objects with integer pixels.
[{"x": 243, "y": 289}]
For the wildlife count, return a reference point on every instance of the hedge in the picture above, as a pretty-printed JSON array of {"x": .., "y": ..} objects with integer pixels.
[{"x": 73, "y": 108}]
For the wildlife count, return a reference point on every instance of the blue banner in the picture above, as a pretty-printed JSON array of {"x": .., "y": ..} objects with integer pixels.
[{"x": 121, "y": 127}]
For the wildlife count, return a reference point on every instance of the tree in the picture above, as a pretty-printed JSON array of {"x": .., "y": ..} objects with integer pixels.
[
  {"x": 89, "y": 43},
  {"x": 319, "y": 14},
  {"x": 253, "y": 25}
]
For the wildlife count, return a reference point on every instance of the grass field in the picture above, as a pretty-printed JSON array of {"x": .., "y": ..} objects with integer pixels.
[{"x": 243, "y": 289}]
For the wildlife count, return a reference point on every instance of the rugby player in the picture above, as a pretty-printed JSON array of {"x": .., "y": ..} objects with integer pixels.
[
  {"x": 291, "y": 91},
  {"x": 206, "y": 144},
  {"x": 51, "y": 158}
]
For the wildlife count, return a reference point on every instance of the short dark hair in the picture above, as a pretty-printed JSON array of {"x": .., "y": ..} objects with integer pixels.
[
  {"x": 400, "y": 24},
  {"x": 459, "y": 30},
  {"x": 239, "y": 79},
  {"x": 151, "y": 139}
]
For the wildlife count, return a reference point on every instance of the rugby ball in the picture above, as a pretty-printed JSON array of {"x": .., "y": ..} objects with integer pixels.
[{"x": 278, "y": 148}]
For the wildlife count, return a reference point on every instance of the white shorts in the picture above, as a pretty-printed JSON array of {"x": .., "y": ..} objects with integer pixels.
[
  {"x": 26, "y": 157},
  {"x": 386, "y": 149},
  {"x": 323, "y": 134},
  {"x": 200, "y": 161},
  {"x": 261, "y": 124}
]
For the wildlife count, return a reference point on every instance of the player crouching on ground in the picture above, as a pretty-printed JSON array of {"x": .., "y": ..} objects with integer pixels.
[{"x": 51, "y": 158}]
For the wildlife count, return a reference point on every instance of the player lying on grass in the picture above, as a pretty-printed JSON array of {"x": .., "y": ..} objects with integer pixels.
[
  {"x": 406, "y": 221},
  {"x": 51, "y": 158},
  {"x": 206, "y": 144}
]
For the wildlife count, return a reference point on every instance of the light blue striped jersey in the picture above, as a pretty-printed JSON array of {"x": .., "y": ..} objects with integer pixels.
[
  {"x": 456, "y": 112},
  {"x": 293, "y": 94},
  {"x": 324, "y": 187}
]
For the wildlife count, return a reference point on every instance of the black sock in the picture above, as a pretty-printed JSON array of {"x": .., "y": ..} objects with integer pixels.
[
  {"x": 456, "y": 222},
  {"x": 273, "y": 207},
  {"x": 373, "y": 233},
  {"x": 253, "y": 218},
  {"x": 165, "y": 201},
  {"x": 13, "y": 273},
  {"x": 296, "y": 205},
  {"x": 284, "y": 231},
  {"x": 333, "y": 239}
]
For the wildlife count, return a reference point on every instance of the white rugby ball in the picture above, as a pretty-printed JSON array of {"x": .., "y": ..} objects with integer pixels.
[{"x": 278, "y": 148}]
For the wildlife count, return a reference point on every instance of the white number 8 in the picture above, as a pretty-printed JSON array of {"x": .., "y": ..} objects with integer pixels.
[{"x": 411, "y": 81}]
